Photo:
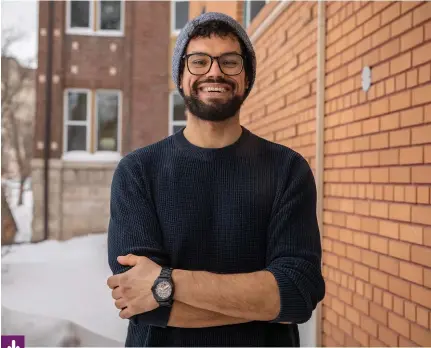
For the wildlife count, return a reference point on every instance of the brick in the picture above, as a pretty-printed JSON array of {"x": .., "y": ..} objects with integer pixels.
[
  {"x": 399, "y": 324},
  {"x": 420, "y": 335},
  {"x": 422, "y": 13},
  {"x": 412, "y": 155},
  {"x": 370, "y": 258},
  {"x": 373, "y": 343},
  {"x": 388, "y": 336},
  {"x": 411, "y": 233},
  {"x": 338, "y": 306},
  {"x": 399, "y": 193},
  {"x": 422, "y": 317},
  {"x": 427, "y": 277},
  {"x": 390, "y": 85},
  {"x": 421, "y": 95},
  {"x": 368, "y": 291},
  {"x": 400, "y": 82},
  {"x": 379, "y": 244},
  {"x": 387, "y": 300},
  {"x": 410, "y": 194},
  {"x": 346, "y": 296},
  {"x": 378, "y": 108},
  {"x": 412, "y": 117},
  {"x": 401, "y": 212},
  {"x": 400, "y": 101},
  {"x": 427, "y": 236},
  {"x": 346, "y": 266},
  {"x": 389, "y": 122},
  {"x": 399, "y": 138},
  {"x": 379, "y": 279},
  {"x": 345, "y": 326},
  {"x": 407, "y": 6},
  {"x": 330, "y": 315},
  {"x": 388, "y": 157},
  {"x": 400, "y": 63},
  {"x": 370, "y": 158},
  {"x": 353, "y": 253},
  {"x": 427, "y": 154},
  {"x": 411, "y": 272},
  {"x": 370, "y": 225},
  {"x": 380, "y": 72},
  {"x": 399, "y": 250},
  {"x": 337, "y": 335},
  {"x": 379, "y": 141},
  {"x": 412, "y": 78},
  {"x": 352, "y": 315},
  {"x": 380, "y": 175},
  {"x": 354, "y": 129},
  {"x": 402, "y": 24},
  {"x": 421, "y": 214},
  {"x": 389, "y": 265},
  {"x": 410, "y": 311},
  {"x": 424, "y": 73},
  {"x": 399, "y": 175},
  {"x": 389, "y": 193},
  {"x": 412, "y": 38},
  {"x": 381, "y": 36},
  {"x": 428, "y": 31},
  {"x": 390, "y": 13},
  {"x": 361, "y": 304},
  {"x": 389, "y": 229},
  {"x": 421, "y": 295},
  {"x": 420, "y": 54},
  {"x": 427, "y": 113},
  {"x": 378, "y": 313},
  {"x": 398, "y": 306},
  {"x": 377, "y": 296},
  {"x": 360, "y": 336},
  {"x": 421, "y": 255},
  {"x": 361, "y": 272},
  {"x": 421, "y": 174},
  {"x": 423, "y": 195},
  {"x": 421, "y": 135}
]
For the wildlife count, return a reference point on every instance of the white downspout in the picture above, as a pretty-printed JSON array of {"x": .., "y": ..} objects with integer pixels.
[{"x": 320, "y": 141}]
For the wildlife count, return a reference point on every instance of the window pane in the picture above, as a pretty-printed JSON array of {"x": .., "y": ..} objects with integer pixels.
[
  {"x": 107, "y": 121},
  {"x": 110, "y": 16},
  {"x": 181, "y": 14},
  {"x": 77, "y": 106},
  {"x": 179, "y": 111},
  {"x": 80, "y": 14},
  {"x": 177, "y": 129},
  {"x": 255, "y": 7},
  {"x": 76, "y": 138}
]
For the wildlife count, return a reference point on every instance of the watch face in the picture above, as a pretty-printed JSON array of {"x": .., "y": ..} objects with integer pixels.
[{"x": 164, "y": 290}]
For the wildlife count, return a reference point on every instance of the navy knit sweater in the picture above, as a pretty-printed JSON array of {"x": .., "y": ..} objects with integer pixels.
[{"x": 246, "y": 207}]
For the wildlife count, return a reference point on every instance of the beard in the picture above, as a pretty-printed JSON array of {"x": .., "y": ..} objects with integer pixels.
[{"x": 218, "y": 110}]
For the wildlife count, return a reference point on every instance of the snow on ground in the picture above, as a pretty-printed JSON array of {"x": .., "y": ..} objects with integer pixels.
[
  {"x": 64, "y": 280},
  {"x": 55, "y": 291}
]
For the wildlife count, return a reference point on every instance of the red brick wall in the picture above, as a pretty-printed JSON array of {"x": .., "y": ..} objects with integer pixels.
[
  {"x": 377, "y": 170},
  {"x": 141, "y": 73}
]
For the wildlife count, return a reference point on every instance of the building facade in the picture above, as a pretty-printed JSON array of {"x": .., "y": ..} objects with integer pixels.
[{"x": 109, "y": 96}]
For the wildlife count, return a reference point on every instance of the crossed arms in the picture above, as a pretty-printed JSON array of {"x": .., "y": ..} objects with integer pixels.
[{"x": 287, "y": 290}]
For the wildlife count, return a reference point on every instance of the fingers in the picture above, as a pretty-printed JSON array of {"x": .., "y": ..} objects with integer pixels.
[
  {"x": 128, "y": 260},
  {"x": 113, "y": 281},
  {"x": 121, "y": 303},
  {"x": 116, "y": 293}
]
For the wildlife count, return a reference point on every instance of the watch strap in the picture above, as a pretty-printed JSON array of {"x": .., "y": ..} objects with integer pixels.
[{"x": 166, "y": 272}]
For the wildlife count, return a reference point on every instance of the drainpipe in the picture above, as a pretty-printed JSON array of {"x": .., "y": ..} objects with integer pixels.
[
  {"x": 320, "y": 114},
  {"x": 48, "y": 110}
]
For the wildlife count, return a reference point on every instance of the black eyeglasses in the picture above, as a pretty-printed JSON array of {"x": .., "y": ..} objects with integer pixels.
[{"x": 200, "y": 63}]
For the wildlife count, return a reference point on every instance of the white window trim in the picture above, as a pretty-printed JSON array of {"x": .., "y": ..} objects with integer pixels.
[
  {"x": 120, "y": 113},
  {"x": 171, "y": 122},
  {"x": 66, "y": 121},
  {"x": 174, "y": 31},
  {"x": 90, "y": 30}
]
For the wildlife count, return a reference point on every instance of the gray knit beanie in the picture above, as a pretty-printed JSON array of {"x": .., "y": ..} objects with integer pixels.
[{"x": 184, "y": 38}]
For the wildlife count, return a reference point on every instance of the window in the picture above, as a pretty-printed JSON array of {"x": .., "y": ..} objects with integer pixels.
[
  {"x": 177, "y": 113},
  {"x": 95, "y": 17},
  {"x": 91, "y": 129},
  {"x": 179, "y": 15},
  {"x": 251, "y": 9}
]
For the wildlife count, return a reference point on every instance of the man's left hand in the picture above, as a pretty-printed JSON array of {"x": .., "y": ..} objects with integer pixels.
[{"x": 131, "y": 290}]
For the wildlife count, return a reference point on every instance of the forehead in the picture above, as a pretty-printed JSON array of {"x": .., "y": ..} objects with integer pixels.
[{"x": 214, "y": 45}]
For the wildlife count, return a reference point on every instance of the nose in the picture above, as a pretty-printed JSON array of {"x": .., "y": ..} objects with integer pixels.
[{"x": 215, "y": 70}]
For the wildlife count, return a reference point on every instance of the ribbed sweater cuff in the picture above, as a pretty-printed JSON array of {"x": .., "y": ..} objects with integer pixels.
[
  {"x": 158, "y": 317},
  {"x": 291, "y": 300}
]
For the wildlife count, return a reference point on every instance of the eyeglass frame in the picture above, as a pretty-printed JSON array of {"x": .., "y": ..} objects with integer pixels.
[{"x": 186, "y": 56}]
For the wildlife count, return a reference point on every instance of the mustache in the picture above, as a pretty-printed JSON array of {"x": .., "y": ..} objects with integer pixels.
[{"x": 196, "y": 84}]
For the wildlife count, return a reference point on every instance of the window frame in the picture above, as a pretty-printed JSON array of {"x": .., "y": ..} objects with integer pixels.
[
  {"x": 119, "y": 116},
  {"x": 67, "y": 123},
  {"x": 172, "y": 122},
  {"x": 175, "y": 31},
  {"x": 247, "y": 12},
  {"x": 95, "y": 10}
]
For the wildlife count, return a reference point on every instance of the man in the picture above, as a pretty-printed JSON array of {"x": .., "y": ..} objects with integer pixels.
[{"x": 213, "y": 236}]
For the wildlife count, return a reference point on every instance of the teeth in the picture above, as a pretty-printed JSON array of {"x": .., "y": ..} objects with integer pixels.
[{"x": 214, "y": 89}]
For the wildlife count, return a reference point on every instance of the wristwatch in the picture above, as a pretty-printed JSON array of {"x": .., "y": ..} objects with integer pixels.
[{"x": 163, "y": 288}]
